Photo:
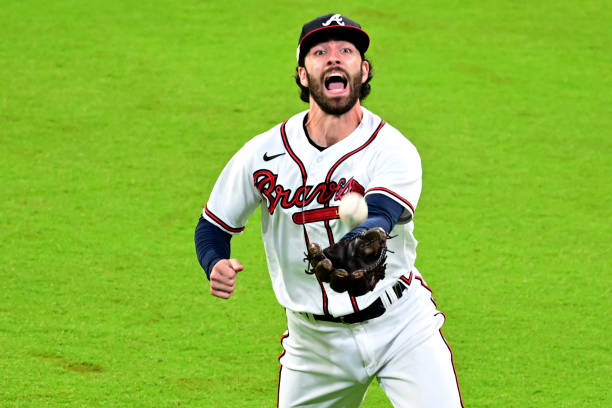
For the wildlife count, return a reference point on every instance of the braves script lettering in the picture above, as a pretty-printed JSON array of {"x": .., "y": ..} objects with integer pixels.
[{"x": 266, "y": 183}]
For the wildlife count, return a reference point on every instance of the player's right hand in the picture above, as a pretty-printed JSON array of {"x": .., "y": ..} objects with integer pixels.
[{"x": 223, "y": 277}]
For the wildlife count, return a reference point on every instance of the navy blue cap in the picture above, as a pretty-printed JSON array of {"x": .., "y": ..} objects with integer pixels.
[{"x": 328, "y": 26}]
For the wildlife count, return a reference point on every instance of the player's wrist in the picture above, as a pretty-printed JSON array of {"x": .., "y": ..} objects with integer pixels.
[{"x": 211, "y": 266}]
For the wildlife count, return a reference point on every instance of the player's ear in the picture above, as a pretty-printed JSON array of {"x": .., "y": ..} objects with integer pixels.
[
  {"x": 365, "y": 70},
  {"x": 303, "y": 77}
]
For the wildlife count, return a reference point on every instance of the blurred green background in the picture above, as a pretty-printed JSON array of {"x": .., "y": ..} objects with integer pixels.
[{"x": 117, "y": 116}]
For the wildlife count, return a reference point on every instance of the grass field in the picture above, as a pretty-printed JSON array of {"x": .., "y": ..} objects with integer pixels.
[{"x": 117, "y": 116}]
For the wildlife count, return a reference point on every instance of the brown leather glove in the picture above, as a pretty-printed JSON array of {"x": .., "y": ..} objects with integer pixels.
[{"x": 353, "y": 264}]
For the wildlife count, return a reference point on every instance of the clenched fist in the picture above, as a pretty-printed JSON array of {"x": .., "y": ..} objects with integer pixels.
[{"x": 223, "y": 277}]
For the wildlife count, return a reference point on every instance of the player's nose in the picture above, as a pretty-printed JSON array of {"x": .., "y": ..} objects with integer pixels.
[
  {"x": 334, "y": 56},
  {"x": 334, "y": 59}
]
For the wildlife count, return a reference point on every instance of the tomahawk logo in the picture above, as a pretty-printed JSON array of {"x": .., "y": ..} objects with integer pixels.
[{"x": 336, "y": 17}]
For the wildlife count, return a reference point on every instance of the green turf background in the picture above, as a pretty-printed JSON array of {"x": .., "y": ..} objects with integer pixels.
[{"x": 117, "y": 116}]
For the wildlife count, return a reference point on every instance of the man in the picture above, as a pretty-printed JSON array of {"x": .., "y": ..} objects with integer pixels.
[{"x": 298, "y": 171}]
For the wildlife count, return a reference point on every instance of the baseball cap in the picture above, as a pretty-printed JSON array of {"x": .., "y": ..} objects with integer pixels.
[{"x": 331, "y": 25}]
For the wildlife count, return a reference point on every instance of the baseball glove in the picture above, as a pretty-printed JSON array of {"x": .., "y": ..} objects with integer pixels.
[{"x": 354, "y": 264}]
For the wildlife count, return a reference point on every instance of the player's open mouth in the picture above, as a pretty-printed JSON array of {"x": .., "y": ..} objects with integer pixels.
[{"x": 336, "y": 81}]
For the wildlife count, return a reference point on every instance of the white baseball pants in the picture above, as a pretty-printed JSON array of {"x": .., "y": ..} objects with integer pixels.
[{"x": 326, "y": 364}]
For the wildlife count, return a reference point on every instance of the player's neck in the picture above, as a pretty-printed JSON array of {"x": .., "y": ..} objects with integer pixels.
[{"x": 325, "y": 129}]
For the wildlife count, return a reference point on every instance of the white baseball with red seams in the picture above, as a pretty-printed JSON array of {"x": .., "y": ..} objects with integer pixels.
[{"x": 353, "y": 209}]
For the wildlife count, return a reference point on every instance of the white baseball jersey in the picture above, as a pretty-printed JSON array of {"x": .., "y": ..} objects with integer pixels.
[{"x": 298, "y": 188}]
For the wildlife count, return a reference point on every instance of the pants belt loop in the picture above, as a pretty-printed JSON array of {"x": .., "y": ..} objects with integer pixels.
[{"x": 387, "y": 299}]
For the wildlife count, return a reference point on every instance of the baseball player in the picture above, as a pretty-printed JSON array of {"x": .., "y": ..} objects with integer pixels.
[{"x": 347, "y": 324}]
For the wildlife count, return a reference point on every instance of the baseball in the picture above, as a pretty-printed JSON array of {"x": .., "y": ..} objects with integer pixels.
[{"x": 353, "y": 209}]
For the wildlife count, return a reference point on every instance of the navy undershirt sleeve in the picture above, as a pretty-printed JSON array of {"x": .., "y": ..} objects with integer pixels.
[
  {"x": 212, "y": 244},
  {"x": 383, "y": 212}
]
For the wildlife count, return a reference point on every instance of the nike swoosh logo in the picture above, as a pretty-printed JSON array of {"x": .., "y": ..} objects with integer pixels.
[{"x": 268, "y": 158}]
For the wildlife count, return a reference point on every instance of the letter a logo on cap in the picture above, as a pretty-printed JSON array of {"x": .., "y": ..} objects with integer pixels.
[{"x": 336, "y": 17}]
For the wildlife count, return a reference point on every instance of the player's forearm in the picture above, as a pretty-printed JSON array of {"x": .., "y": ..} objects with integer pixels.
[{"x": 212, "y": 244}]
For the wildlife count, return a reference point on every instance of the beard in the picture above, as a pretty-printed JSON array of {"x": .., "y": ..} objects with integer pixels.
[{"x": 335, "y": 105}]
